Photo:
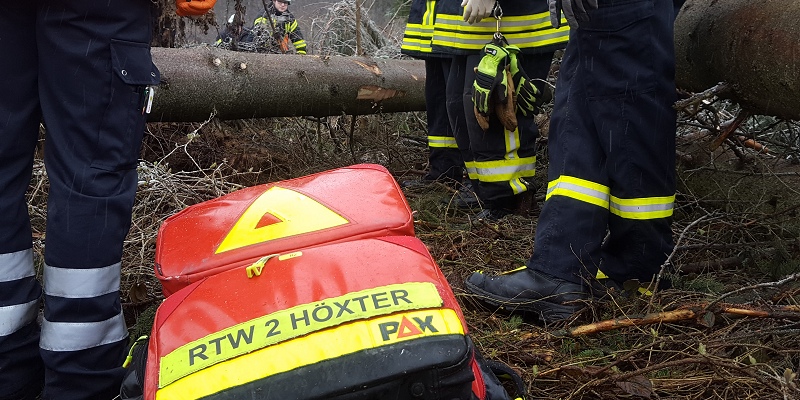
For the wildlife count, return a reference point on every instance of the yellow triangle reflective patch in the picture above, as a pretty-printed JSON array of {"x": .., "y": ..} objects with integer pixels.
[{"x": 294, "y": 212}]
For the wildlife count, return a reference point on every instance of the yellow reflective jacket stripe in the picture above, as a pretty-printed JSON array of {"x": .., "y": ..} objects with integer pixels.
[
  {"x": 417, "y": 37},
  {"x": 526, "y": 31},
  {"x": 419, "y": 29}
]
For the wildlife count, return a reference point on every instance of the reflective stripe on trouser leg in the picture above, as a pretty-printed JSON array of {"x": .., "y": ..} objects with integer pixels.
[
  {"x": 611, "y": 150},
  {"x": 444, "y": 159},
  {"x": 83, "y": 331},
  {"x": 20, "y": 363},
  {"x": 92, "y": 94}
]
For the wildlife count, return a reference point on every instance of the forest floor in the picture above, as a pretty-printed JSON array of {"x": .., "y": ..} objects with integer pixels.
[
  {"x": 736, "y": 227},
  {"x": 729, "y": 328}
]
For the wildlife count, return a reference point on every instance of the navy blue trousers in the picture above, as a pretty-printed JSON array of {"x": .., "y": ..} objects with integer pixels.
[
  {"x": 612, "y": 147},
  {"x": 82, "y": 69},
  {"x": 493, "y": 156},
  {"x": 444, "y": 158}
]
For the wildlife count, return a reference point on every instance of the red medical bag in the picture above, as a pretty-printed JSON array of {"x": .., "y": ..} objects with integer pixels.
[
  {"x": 237, "y": 229},
  {"x": 363, "y": 319}
]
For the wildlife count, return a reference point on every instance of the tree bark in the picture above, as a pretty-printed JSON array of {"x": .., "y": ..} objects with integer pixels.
[
  {"x": 200, "y": 81},
  {"x": 752, "y": 45}
]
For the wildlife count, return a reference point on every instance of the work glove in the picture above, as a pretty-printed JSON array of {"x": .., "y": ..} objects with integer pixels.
[
  {"x": 491, "y": 82},
  {"x": 529, "y": 99},
  {"x": 476, "y": 10},
  {"x": 193, "y": 7},
  {"x": 575, "y": 11}
]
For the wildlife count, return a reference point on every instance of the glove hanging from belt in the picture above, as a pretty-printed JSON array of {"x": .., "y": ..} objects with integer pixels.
[
  {"x": 529, "y": 99},
  {"x": 492, "y": 85},
  {"x": 503, "y": 88}
]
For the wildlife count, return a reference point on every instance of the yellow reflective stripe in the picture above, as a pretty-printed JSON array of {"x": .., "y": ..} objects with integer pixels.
[
  {"x": 418, "y": 30},
  {"x": 429, "y": 15},
  {"x": 313, "y": 348},
  {"x": 521, "y": 31},
  {"x": 512, "y": 146},
  {"x": 522, "y": 268},
  {"x": 291, "y": 26},
  {"x": 505, "y": 170},
  {"x": 579, "y": 189},
  {"x": 417, "y": 37},
  {"x": 517, "y": 185},
  {"x": 260, "y": 20},
  {"x": 543, "y": 38},
  {"x": 507, "y": 24},
  {"x": 416, "y": 45},
  {"x": 442, "y": 142},
  {"x": 602, "y": 275},
  {"x": 299, "y": 43},
  {"x": 299, "y": 320},
  {"x": 521, "y": 40},
  {"x": 472, "y": 170},
  {"x": 512, "y": 143},
  {"x": 642, "y": 208},
  {"x": 290, "y": 323}
]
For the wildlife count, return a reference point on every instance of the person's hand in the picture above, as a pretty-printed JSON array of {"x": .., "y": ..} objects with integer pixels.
[
  {"x": 575, "y": 11},
  {"x": 529, "y": 99},
  {"x": 491, "y": 82},
  {"x": 193, "y": 7},
  {"x": 476, "y": 10}
]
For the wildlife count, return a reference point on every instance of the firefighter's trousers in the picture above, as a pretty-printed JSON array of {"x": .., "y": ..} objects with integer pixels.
[
  {"x": 444, "y": 158},
  {"x": 81, "y": 68},
  {"x": 611, "y": 147},
  {"x": 500, "y": 163}
]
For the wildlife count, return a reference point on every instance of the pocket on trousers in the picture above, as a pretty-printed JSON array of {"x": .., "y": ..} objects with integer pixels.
[
  {"x": 120, "y": 137},
  {"x": 616, "y": 48}
]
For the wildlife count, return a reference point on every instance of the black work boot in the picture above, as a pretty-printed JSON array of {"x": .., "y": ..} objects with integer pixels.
[
  {"x": 526, "y": 290},
  {"x": 465, "y": 198},
  {"x": 519, "y": 204},
  {"x": 491, "y": 214}
]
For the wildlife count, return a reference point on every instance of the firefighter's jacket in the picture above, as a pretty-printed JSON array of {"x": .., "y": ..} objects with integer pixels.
[
  {"x": 525, "y": 24},
  {"x": 419, "y": 29},
  {"x": 284, "y": 28}
]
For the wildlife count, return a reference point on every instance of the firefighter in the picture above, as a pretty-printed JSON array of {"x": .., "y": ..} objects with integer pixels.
[
  {"x": 83, "y": 69},
  {"x": 612, "y": 169},
  {"x": 444, "y": 159},
  {"x": 283, "y": 26},
  {"x": 499, "y": 160}
]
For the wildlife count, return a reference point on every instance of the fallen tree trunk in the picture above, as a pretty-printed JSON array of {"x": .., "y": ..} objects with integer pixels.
[
  {"x": 753, "y": 45},
  {"x": 199, "y": 81}
]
